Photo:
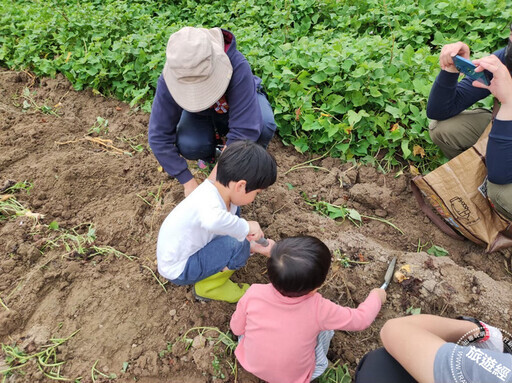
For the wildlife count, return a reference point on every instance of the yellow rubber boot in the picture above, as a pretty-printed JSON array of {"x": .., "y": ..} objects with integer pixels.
[{"x": 219, "y": 287}]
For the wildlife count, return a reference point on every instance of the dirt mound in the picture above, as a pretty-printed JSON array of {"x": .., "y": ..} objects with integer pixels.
[{"x": 91, "y": 274}]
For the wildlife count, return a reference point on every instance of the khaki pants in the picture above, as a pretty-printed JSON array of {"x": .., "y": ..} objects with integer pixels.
[{"x": 461, "y": 132}]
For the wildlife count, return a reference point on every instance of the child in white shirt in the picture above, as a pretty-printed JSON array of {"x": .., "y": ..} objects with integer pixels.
[{"x": 203, "y": 240}]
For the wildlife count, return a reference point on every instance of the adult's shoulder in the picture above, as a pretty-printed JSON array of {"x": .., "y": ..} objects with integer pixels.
[{"x": 236, "y": 57}]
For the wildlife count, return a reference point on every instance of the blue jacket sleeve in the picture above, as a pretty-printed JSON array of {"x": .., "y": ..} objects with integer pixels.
[
  {"x": 449, "y": 97},
  {"x": 165, "y": 115},
  {"x": 499, "y": 153},
  {"x": 245, "y": 121}
]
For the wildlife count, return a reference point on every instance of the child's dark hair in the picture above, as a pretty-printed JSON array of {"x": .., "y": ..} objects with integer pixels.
[
  {"x": 298, "y": 265},
  {"x": 248, "y": 161}
]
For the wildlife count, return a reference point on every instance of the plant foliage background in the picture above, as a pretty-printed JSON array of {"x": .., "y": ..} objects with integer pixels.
[{"x": 352, "y": 77}]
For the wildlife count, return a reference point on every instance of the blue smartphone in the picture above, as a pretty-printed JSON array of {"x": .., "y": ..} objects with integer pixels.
[{"x": 468, "y": 68}]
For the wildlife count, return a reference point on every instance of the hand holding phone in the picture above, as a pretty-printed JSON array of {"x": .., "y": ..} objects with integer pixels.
[{"x": 468, "y": 68}]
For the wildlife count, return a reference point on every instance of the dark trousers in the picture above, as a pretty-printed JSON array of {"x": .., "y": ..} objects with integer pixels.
[
  {"x": 197, "y": 134},
  {"x": 378, "y": 366}
]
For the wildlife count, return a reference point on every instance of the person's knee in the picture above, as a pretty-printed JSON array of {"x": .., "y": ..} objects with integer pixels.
[
  {"x": 194, "y": 150},
  {"x": 239, "y": 251},
  {"x": 501, "y": 198},
  {"x": 195, "y": 137},
  {"x": 387, "y": 332},
  {"x": 267, "y": 133},
  {"x": 438, "y": 131},
  {"x": 269, "y": 125}
]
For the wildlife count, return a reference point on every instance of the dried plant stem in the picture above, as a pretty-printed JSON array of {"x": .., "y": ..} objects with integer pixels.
[
  {"x": 384, "y": 221},
  {"x": 100, "y": 141},
  {"x": 4, "y": 305},
  {"x": 158, "y": 280}
]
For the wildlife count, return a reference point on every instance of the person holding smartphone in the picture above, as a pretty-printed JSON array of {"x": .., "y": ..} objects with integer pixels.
[{"x": 455, "y": 129}]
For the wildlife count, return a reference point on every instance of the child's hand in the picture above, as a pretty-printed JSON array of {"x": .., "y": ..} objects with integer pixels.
[
  {"x": 263, "y": 250},
  {"x": 381, "y": 293},
  {"x": 255, "y": 232}
]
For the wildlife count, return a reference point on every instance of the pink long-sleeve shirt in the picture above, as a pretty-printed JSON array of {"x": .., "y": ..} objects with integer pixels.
[{"x": 280, "y": 333}]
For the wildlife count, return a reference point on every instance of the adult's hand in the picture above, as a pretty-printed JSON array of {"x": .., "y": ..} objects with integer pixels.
[
  {"x": 190, "y": 186},
  {"x": 448, "y": 52},
  {"x": 501, "y": 83}
]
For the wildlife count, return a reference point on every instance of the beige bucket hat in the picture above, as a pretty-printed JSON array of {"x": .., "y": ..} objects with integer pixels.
[{"x": 197, "y": 70}]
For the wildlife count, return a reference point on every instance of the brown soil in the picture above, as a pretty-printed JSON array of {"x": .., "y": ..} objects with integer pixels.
[{"x": 123, "y": 314}]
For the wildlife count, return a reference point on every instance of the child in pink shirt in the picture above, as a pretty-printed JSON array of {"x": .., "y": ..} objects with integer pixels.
[{"x": 285, "y": 327}]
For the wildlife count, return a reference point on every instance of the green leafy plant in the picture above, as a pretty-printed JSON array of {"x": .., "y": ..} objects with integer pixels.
[
  {"x": 338, "y": 211},
  {"x": 333, "y": 211},
  {"x": 351, "y": 76},
  {"x": 30, "y": 103},
  {"x": 95, "y": 372},
  {"x": 46, "y": 360},
  {"x": 10, "y": 207},
  {"x": 79, "y": 241},
  {"x": 437, "y": 251},
  {"x": 413, "y": 310},
  {"x": 54, "y": 225},
  {"x": 167, "y": 350},
  {"x": 99, "y": 127},
  {"x": 153, "y": 199},
  {"x": 217, "y": 368},
  {"x": 336, "y": 373},
  {"x": 223, "y": 339},
  {"x": 24, "y": 186},
  {"x": 133, "y": 142},
  {"x": 345, "y": 260}
]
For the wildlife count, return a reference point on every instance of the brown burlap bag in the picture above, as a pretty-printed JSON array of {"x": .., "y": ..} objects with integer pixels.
[{"x": 457, "y": 191}]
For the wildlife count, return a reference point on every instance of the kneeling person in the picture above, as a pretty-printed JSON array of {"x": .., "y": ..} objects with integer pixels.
[{"x": 203, "y": 240}]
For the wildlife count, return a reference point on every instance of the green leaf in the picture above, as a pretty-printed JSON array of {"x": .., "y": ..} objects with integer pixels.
[
  {"x": 125, "y": 367},
  {"x": 353, "y": 117},
  {"x": 405, "y": 148},
  {"x": 319, "y": 77},
  {"x": 354, "y": 214},
  {"x": 437, "y": 251},
  {"x": 54, "y": 225},
  {"x": 413, "y": 310}
]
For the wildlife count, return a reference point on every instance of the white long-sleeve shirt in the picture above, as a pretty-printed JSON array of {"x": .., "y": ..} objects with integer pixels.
[{"x": 191, "y": 225}]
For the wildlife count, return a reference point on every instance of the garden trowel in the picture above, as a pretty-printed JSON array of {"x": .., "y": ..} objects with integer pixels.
[
  {"x": 389, "y": 274},
  {"x": 262, "y": 241}
]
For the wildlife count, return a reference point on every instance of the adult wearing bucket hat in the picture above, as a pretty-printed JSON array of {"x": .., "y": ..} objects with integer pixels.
[
  {"x": 455, "y": 129},
  {"x": 206, "y": 91}
]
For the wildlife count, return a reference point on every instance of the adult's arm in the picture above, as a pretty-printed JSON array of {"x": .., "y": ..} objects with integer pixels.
[
  {"x": 245, "y": 121},
  {"x": 449, "y": 97},
  {"x": 165, "y": 115},
  {"x": 499, "y": 153},
  {"x": 499, "y": 146}
]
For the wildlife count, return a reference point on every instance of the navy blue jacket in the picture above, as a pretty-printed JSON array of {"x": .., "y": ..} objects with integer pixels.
[
  {"x": 448, "y": 97},
  {"x": 244, "y": 114}
]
